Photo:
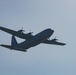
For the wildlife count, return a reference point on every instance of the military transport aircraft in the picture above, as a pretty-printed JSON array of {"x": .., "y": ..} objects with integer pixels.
[{"x": 30, "y": 40}]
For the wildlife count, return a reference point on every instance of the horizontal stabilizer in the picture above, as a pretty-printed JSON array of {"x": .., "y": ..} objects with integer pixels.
[
  {"x": 14, "y": 48},
  {"x": 7, "y": 46}
]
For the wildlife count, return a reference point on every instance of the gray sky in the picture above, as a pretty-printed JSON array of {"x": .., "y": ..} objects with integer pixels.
[{"x": 37, "y": 15}]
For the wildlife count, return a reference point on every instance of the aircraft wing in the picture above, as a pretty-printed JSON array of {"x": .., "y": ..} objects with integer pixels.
[
  {"x": 53, "y": 42},
  {"x": 14, "y": 48},
  {"x": 16, "y": 33}
]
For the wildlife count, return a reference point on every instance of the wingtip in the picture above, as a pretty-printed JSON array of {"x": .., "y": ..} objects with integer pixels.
[
  {"x": 64, "y": 44},
  {"x": 0, "y": 44},
  {"x": 0, "y": 27}
]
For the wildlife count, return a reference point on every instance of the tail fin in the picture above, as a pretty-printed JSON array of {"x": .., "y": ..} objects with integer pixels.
[{"x": 13, "y": 41}]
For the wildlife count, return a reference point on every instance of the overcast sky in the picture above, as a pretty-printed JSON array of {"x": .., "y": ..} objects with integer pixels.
[{"x": 37, "y": 15}]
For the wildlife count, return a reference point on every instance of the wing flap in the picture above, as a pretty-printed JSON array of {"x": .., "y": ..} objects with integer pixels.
[{"x": 53, "y": 42}]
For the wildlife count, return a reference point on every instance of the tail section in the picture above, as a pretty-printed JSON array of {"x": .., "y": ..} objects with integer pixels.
[
  {"x": 14, "y": 45},
  {"x": 13, "y": 41},
  {"x": 14, "y": 48},
  {"x": 6, "y": 46}
]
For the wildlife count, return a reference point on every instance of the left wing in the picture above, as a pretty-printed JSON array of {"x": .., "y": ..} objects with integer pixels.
[
  {"x": 16, "y": 33},
  {"x": 54, "y": 42}
]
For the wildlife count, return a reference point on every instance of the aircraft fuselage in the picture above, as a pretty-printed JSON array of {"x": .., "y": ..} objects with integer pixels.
[{"x": 37, "y": 39}]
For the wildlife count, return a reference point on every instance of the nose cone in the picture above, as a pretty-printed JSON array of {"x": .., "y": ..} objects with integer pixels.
[{"x": 50, "y": 30}]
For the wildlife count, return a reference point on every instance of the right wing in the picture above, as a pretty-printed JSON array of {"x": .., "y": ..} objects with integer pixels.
[
  {"x": 16, "y": 33},
  {"x": 53, "y": 42}
]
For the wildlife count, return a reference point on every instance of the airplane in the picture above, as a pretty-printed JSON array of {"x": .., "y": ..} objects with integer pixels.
[{"x": 30, "y": 40}]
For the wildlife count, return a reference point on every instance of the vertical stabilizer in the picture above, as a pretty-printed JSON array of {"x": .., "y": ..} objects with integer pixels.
[{"x": 13, "y": 41}]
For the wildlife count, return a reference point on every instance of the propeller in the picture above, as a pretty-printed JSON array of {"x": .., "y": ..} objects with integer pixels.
[
  {"x": 30, "y": 32},
  {"x": 21, "y": 30},
  {"x": 55, "y": 38}
]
